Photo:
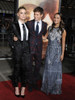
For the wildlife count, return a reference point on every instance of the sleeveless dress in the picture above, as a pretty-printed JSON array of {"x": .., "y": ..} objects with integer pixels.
[{"x": 52, "y": 76}]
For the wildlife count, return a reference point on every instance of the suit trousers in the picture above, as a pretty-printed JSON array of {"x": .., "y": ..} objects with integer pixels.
[
  {"x": 22, "y": 61},
  {"x": 36, "y": 56}
]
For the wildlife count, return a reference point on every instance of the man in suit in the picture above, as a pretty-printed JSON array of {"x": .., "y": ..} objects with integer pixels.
[
  {"x": 18, "y": 40},
  {"x": 37, "y": 29}
]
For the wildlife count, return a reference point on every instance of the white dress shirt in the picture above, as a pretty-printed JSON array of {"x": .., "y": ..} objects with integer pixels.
[
  {"x": 39, "y": 24},
  {"x": 21, "y": 30}
]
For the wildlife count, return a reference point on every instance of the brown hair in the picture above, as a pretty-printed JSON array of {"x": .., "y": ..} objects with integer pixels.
[
  {"x": 61, "y": 26},
  {"x": 21, "y": 8},
  {"x": 39, "y": 9}
]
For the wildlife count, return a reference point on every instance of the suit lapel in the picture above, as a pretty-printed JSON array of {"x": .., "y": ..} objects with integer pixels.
[
  {"x": 18, "y": 28},
  {"x": 33, "y": 23},
  {"x": 18, "y": 32},
  {"x": 32, "y": 27}
]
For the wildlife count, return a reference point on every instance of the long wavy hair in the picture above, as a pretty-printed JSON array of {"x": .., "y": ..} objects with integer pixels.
[{"x": 61, "y": 26}]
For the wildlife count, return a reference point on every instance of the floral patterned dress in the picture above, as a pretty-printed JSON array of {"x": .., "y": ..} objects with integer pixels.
[{"x": 52, "y": 76}]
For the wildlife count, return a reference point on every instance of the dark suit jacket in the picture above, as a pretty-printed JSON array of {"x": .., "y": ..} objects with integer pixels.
[
  {"x": 15, "y": 30},
  {"x": 33, "y": 37}
]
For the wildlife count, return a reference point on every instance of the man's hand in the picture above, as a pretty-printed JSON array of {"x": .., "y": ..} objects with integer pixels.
[{"x": 43, "y": 37}]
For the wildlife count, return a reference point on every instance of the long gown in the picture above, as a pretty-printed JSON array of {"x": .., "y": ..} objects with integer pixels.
[{"x": 52, "y": 76}]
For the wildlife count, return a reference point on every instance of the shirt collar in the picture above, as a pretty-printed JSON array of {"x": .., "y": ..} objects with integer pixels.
[
  {"x": 38, "y": 21},
  {"x": 20, "y": 22}
]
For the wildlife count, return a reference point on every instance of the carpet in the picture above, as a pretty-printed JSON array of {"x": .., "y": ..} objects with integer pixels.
[{"x": 68, "y": 91}]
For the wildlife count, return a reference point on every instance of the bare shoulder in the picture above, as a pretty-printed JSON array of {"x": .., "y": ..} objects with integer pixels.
[{"x": 64, "y": 33}]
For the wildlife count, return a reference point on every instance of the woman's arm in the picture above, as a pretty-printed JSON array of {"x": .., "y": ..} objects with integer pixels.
[{"x": 63, "y": 44}]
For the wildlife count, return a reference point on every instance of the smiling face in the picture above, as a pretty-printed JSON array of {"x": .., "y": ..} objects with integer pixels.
[
  {"x": 38, "y": 16},
  {"x": 57, "y": 19},
  {"x": 22, "y": 14}
]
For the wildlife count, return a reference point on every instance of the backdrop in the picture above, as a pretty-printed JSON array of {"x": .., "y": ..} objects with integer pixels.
[{"x": 50, "y": 8}]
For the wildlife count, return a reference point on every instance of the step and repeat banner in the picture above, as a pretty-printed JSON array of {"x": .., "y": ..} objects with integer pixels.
[{"x": 50, "y": 8}]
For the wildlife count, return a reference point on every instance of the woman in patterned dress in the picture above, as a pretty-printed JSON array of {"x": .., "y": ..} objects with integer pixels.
[{"x": 52, "y": 76}]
